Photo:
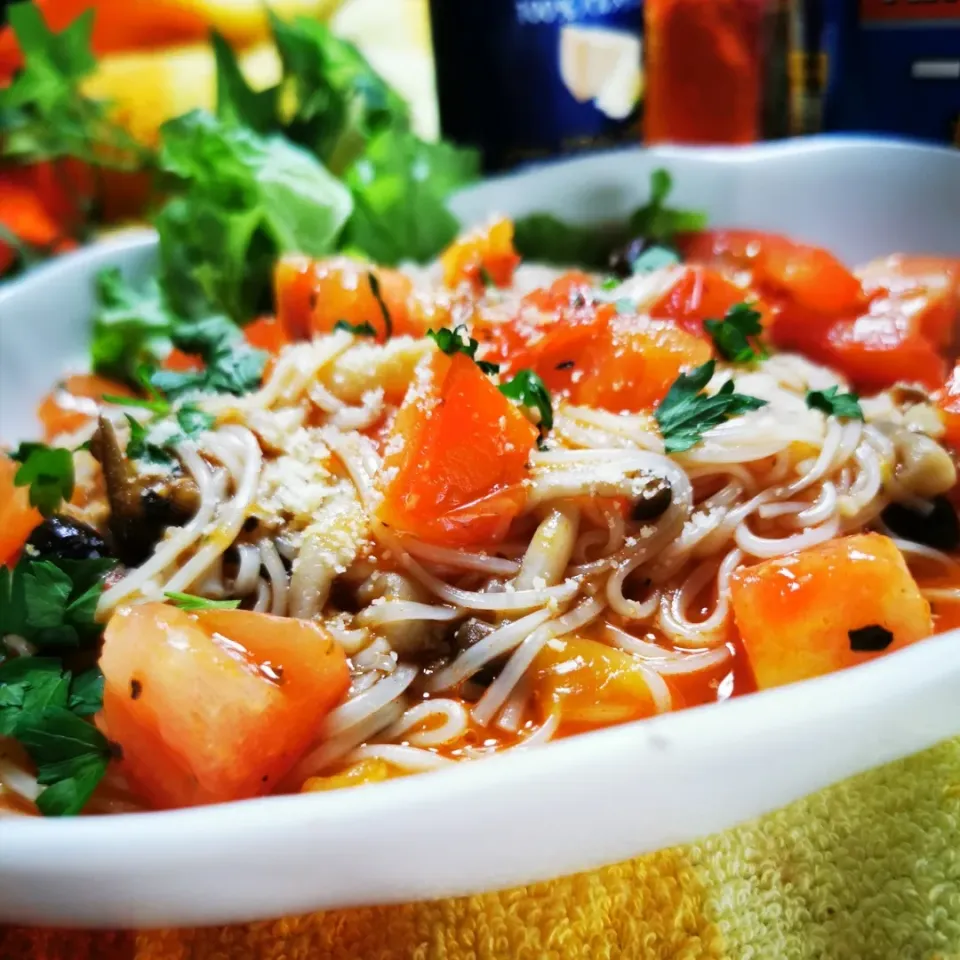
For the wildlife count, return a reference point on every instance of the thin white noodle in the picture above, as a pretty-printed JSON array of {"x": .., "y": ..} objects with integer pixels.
[
  {"x": 511, "y": 716},
  {"x": 498, "y": 691},
  {"x": 406, "y": 758},
  {"x": 15, "y": 779},
  {"x": 942, "y": 594},
  {"x": 352, "y": 641},
  {"x": 460, "y": 559},
  {"x": 911, "y": 549},
  {"x": 352, "y": 712},
  {"x": 550, "y": 549},
  {"x": 20, "y": 646},
  {"x": 232, "y": 515},
  {"x": 541, "y": 735},
  {"x": 692, "y": 662},
  {"x": 262, "y": 602},
  {"x": 659, "y": 691},
  {"x": 494, "y": 645},
  {"x": 248, "y": 570},
  {"x": 422, "y": 719},
  {"x": 673, "y": 608},
  {"x": 395, "y": 611},
  {"x": 335, "y": 748},
  {"x": 766, "y": 547},
  {"x": 277, "y": 573}
]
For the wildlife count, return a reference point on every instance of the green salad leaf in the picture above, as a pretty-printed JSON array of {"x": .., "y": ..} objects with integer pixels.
[
  {"x": 400, "y": 187},
  {"x": 237, "y": 101}
]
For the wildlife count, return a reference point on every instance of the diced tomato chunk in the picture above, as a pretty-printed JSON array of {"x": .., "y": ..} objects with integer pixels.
[
  {"x": 266, "y": 333},
  {"x": 811, "y": 277},
  {"x": 631, "y": 365},
  {"x": 590, "y": 684},
  {"x": 486, "y": 253},
  {"x": 796, "y": 613},
  {"x": 456, "y": 459},
  {"x": 949, "y": 403},
  {"x": 214, "y": 706},
  {"x": 549, "y": 334},
  {"x": 17, "y": 517},
  {"x": 313, "y": 295},
  {"x": 75, "y": 402},
  {"x": 701, "y": 293},
  {"x": 925, "y": 290}
]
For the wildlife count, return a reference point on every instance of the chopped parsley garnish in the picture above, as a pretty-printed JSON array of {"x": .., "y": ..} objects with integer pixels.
[
  {"x": 686, "y": 413},
  {"x": 142, "y": 445},
  {"x": 530, "y": 391},
  {"x": 610, "y": 283},
  {"x": 192, "y": 603},
  {"x": 47, "y": 471},
  {"x": 735, "y": 336},
  {"x": 230, "y": 364},
  {"x": 485, "y": 277},
  {"x": 384, "y": 311},
  {"x": 52, "y": 603},
  {"x": 41, "y": 706},
  {"x": 357, "y": 329},
  {"x": 655, "y": 258},
  {"x": 835, "y": 404},
  {"x": 454, "y": 341},
  {"x": 870, "y": 639},
  {"x": 565, "y": 365}
]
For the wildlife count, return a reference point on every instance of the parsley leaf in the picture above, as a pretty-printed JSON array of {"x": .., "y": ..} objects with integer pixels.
[
  {"x": 454, "y": 341},
  {"x": 71, "y": 756},
  {"x": 28, "y": 685},
  {"x": 47, "y": 471},
  {"x": 53, "y": 604},
  {"x": 231, "y": 365},
  {"x": 734, "y": 335},
  {"x": 528, "y": 389},
  {"x": 191, "y": 603},
  {"x": 836, "y": 404},
  {"x": 86, "y": 692},
  {"x": 400, "y": 187},
  {"x": 657, "y": 222},
  {"x": 686, "y": 413},
  {"x": 357, "y": 329}
]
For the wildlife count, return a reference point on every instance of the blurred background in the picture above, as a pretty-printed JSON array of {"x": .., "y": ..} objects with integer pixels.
[{"x": 524, "y": 80}]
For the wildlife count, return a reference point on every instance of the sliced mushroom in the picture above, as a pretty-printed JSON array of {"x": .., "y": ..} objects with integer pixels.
[{"x": 142, "y": 506}]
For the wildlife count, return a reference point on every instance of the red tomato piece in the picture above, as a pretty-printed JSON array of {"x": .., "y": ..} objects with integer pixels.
[
  {"x": 926, "y": 290},
  {"x": 949, "y": 403},
  {"x": 631, "y": 365},
  {"x": 550, "y": 333},
  {"x": 214, "y": 706},
  {"x": 266, "y": 333},
  {"x": 456, "y": 460},
  {"x": 17, "y": 517},
  {"x": 877, "y": 350},
  {"x": 75, "y": 402},
  {"x": 486, "y": 252},
  {"x": 811, "y": 277},
  {"x": 701, "y": 293},
  {"x": 312, "y": 296}
]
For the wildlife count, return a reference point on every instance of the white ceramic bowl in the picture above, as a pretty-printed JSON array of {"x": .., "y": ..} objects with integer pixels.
[{"x": 570, "y": 805}]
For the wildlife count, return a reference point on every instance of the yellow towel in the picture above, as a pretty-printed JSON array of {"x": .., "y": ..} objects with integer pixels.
[{"x": 867, "y": 870}]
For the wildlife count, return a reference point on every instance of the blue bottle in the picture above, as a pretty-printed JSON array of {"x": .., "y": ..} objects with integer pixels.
[{"x": 528, "y": 79}]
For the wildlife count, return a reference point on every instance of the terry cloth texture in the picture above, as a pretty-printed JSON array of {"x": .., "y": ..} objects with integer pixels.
[{"x": 867, "y": 870}]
